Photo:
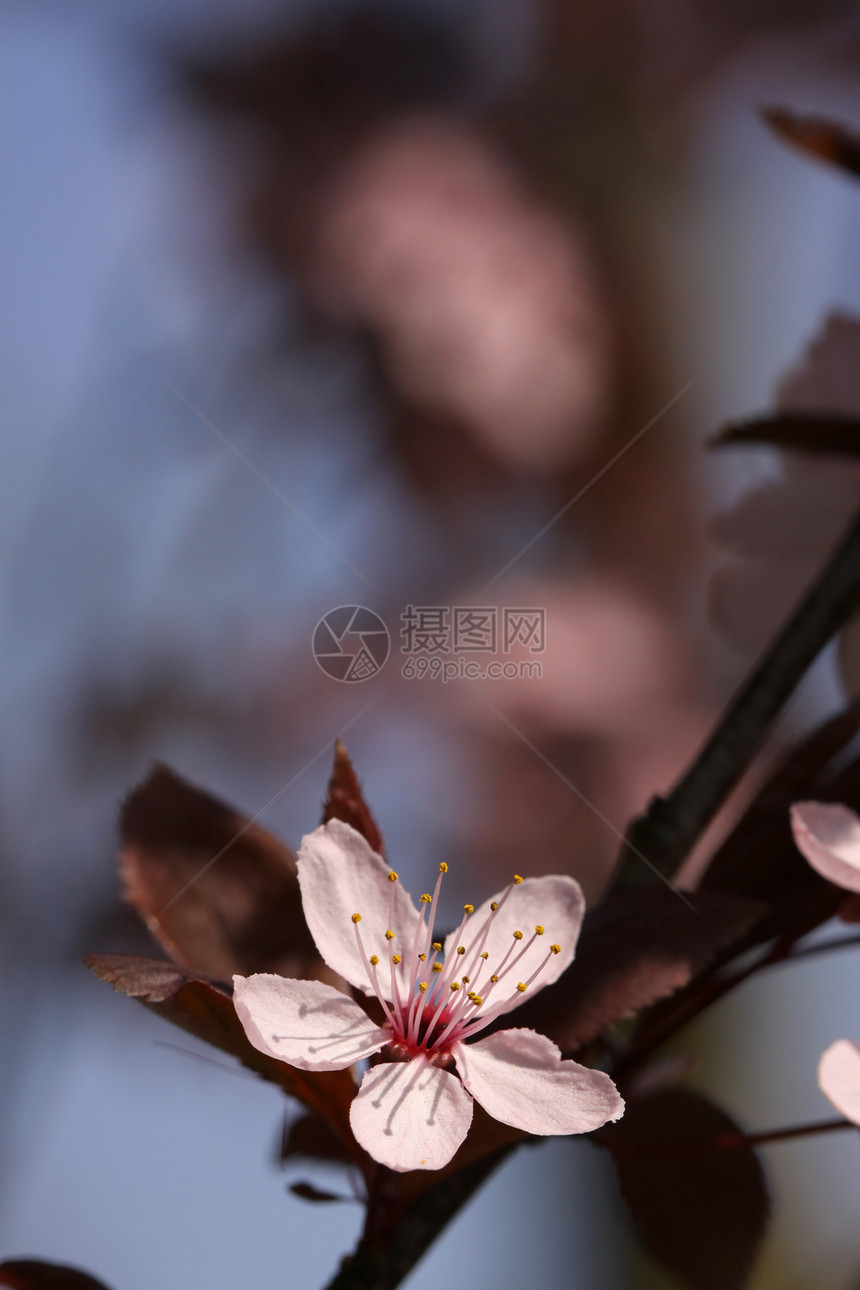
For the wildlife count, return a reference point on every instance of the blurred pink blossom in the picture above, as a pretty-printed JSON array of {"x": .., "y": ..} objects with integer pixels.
[
  {"x": 483, "y": 300},
  {"x": 828, "y": 835},
  {"x": 610, "y": 664}
]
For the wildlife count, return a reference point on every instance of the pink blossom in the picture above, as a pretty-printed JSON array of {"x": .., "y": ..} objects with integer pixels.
[
  {"x": 839, "y": 1078},
  {"x": 828, "y": 835},
  {"x": 414, "y": 1108}
]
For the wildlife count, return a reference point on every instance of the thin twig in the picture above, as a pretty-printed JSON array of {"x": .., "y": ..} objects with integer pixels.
[
  {"x": 824, "y": 947},
  {"x": 729, "y": 1141}
]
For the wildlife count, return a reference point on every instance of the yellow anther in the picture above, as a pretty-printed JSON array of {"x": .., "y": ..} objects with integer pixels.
[
  {"x": 486, "y": 954},
  {"x": 465, "y": 979},
  {"x": 356, "y": 918},
  {"x": 374, "y": 959},
  {"x": 443, "y": 868},
  {"x": 518, "y": 936},
  {"x": 494, "y": 905},
  {"x": 455, "y": 985},
  {"x": 539, "y": 931},
  {"x": 395, "y": 959},
  {"x": 494, "y": 978},
  {"x": 476, "y": 999},
  {"x": 422, "y": 957},
  {"x": 426, "y": 898},
  {"x": 521, "y": 986},
  {"x": 437, "y": 967},
  {"x": 389, "y": 935},
  {"x": 392, "y": 876},
  {"x": 437, "y": 946},
  {"x": 555, "y": 949},
  {"x": 422, "y": 986},
  {"x": 470, "y": 909},
  {"x": 461, "y": 949},
  {"x": 517, "y": 879}
]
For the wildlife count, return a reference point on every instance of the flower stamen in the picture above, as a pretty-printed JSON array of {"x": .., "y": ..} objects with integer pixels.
[{"x": 370, "y": 968}]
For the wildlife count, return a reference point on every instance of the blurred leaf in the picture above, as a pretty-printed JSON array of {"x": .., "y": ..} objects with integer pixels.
[
  {"x": 827, "y": 140},
  {"x": 237, "y": 904},
  {"x": 33, "y": 1274},
  {"x": 309, "y": 1137},
  {"x": 700, "y": 1212},
  {"x": 823, "y": 433},
  {"x": 637, "y": 946},
  {"x": 849, "y": 910},
  {"x": 345, "y": 800},
  {"x": 308, "y": 1191},
  {"x": 205, "y": 1009}
]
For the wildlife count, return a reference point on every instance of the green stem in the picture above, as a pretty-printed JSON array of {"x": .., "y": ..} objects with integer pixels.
[{"x": 673, "y": 824}]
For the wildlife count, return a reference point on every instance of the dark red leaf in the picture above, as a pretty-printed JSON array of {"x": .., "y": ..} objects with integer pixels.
[
  {"x": 309, "y": 1137},
  {"x": 308, "y": 1191},
  {"x": 33, "y": 1274},
  {"x": 205, "y": 1008},
  {"x": 638, "y": 946},
  {"x": 849, "y": 910},
  {"x": 345, "y": 800},
  {"x": 825, "y": 434},
  {"x": 827, "y": 140},
  {"x": 700, "y": 1212},
  {"x": 237, "y": 904}
]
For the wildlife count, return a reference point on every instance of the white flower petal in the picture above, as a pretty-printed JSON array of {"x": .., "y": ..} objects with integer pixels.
[
  {"x": 339, "y": 876},
  {"x": 519, "y": 1077},
  {"x": 411, "y": 1115},
  {"x": 306, "y": 1023},
  {"x": 839, "y": 1078},
  {"x": 828, "y": 835},
  {"x": 556, "y": 904}
]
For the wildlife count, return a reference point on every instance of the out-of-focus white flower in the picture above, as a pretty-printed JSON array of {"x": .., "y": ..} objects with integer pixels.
[{"x": 484, "y": 302}]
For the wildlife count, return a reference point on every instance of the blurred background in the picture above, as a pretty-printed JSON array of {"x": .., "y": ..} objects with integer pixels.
[{"x": 313, "y": 304}]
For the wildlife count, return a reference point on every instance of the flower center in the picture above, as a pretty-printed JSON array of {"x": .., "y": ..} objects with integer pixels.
[{"x": 433, "y": 1002}]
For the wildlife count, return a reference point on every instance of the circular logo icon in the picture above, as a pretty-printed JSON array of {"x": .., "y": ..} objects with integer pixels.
[{"x": 351, "y": 643}]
